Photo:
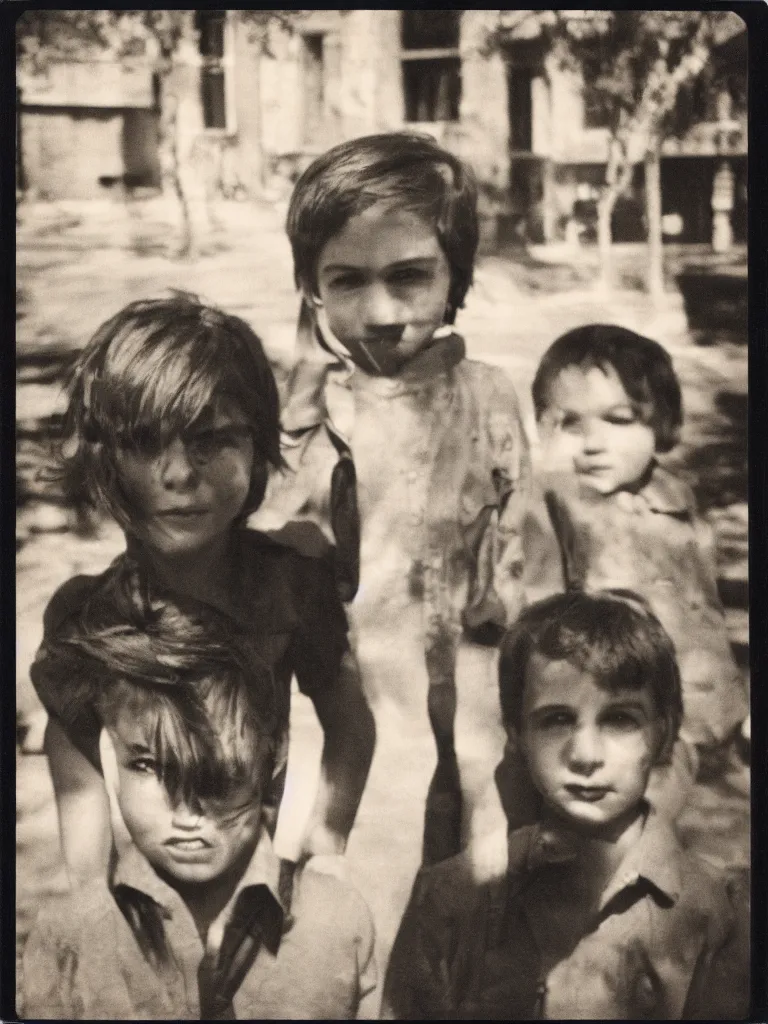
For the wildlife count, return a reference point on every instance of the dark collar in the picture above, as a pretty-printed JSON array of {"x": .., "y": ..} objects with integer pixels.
[
  {"x": 133, "y": 871},
  {"x": 654, "y": 858}
]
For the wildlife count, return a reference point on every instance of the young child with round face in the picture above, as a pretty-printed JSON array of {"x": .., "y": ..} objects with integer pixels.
[
  {"x": 608, "y": 402},
  {"x": 191, "y": 725},
  {"x": 173, "y": 426},
  {"x": 595, "y": 912},
  {"x": 413, "y": 460}
]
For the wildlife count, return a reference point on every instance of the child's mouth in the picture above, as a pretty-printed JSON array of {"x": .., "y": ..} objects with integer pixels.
[
  {"x": 188, "y": 845},
  {"x": 590, "y": 794}
]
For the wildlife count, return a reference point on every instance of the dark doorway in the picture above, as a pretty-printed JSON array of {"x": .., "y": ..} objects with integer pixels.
[{"x": 519, "y": 83}]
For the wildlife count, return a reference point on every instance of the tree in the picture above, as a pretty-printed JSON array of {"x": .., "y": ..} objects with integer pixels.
[
  {"x": 167, "y": 40},
  {"x": 633, "y": 65}
]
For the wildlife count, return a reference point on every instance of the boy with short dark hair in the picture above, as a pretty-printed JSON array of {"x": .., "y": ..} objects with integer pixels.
[
  {"x": 195, "y": 920},
  {"x": 595, "y": 912}
]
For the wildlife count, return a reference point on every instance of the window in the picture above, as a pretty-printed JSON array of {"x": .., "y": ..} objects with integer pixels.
[
  {"x": 212, "y": 29},
  {"x": 431, "y": 65},
  {"x": 314, "y": 88},
  {"x": 597, "y": 109}
]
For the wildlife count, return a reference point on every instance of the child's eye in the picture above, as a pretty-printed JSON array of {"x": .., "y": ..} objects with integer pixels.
[
  {"x": 555, "y": 720},
  {"x": 210, "y": 443},
  {"x": 570, "y": 422},
  {"x": 144, "y": 442},
  {"x": 410, "y": 276},
  {"x": 143, "y": 765},
  {"x": 346, "y": 282},
  {"x": 622, "y": 720},
  {"x": 621, "y": 419}
]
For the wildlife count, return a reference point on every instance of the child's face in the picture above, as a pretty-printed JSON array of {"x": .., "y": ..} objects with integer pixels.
[
  {"x": 591, "y": 427},
  {"x": 384, "y": 282},
  {"x": 189, "y": 844},
  {"x": 589, "y": 751},
  {"x": 187, "y": 494}
]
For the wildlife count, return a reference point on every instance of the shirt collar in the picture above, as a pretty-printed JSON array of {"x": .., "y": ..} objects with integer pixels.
[
  {"x": 666, "y": 493},
  {"x": 654, "y": 858},
  {"x": 306, "y": 406},
  {"x": 134, "y": 871}
]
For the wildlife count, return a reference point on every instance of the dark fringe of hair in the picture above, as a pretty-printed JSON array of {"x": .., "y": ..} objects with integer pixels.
[{"x": 612, "y": 634}]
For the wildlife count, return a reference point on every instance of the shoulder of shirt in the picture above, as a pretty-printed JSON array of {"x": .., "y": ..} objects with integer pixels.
[
  {"x": 487, "y": 374},
  {"x": 301, "y": 538},
  {"x": 710, "y": 903},
  {"x": 703, "y": 884},
  {"x": 73, "y": 920},
  {"x": 452, "y": 886},
  {"x": 69, "y": 598},
  {"x": 329, "y": 899}
]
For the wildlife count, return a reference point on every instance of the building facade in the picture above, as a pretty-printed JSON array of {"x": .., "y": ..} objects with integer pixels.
[
  {"x": 84, "y": 126},
  {"x": 273, "y": 99}
]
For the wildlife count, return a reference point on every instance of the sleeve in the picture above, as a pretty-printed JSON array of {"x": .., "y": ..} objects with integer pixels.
[
  {"x": 49, "y": 968},
  {"x": 418, "y": 980},
  {"x": 496, "y": 594},
  {"x": 720, "y": 986},
  {"x": 320, "y": 639},
  {"x": 55, "y": 690}
]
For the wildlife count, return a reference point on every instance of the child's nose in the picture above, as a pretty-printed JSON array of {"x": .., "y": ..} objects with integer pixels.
[
  {"x": 593, "y": 436},
  {"x": 382, "y": 308},
  {"x": 176, "y": 467},
  {"x": 585, "y": 753},
  {"x": 187, "y": 815}
]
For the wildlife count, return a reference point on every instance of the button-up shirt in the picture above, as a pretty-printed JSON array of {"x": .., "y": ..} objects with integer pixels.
[
  {"x": 443, "y": 474},
  {"x": 479, "y": 940},
  {"x": 131, "y": 951}
]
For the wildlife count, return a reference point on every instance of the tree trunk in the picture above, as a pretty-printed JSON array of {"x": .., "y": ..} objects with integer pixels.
[
  {"x": 618, "y": 172},
  {"x": 182, "y": 128},
  {"x": 249, "y": 45},
  {"x": 173, "y": 179},
  {"x": 605, "y": 205},
  {"x": 655, "y": 278}
]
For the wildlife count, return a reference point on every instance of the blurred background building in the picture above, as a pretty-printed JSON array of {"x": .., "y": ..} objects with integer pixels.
[{"x": 276, "y": 99}]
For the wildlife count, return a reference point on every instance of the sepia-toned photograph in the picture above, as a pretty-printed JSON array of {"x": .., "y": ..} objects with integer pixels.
[{"x": 382, "y": 634}]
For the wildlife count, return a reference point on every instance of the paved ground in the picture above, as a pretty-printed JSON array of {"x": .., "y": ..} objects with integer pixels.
[{"x": 78, "y": 263}]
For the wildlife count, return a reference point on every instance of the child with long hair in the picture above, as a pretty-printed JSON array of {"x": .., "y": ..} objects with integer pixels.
[{"x": 173, "y": 427}]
